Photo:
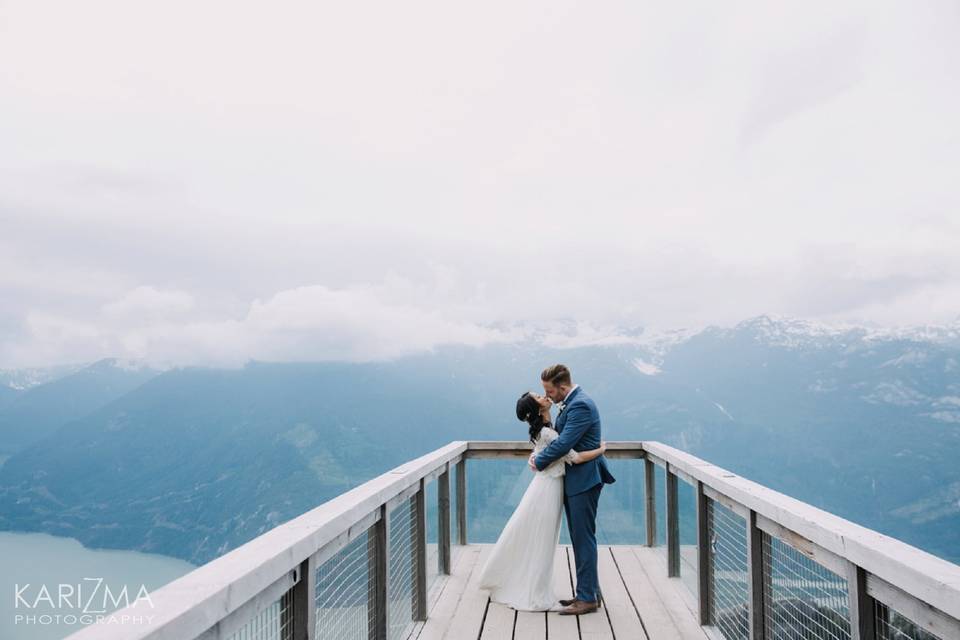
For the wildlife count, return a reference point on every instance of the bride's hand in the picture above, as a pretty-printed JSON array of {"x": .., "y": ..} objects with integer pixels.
[{"x": 603, "y": 446}]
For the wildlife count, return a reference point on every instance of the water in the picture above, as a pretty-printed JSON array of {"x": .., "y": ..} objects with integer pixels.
[{"x": 62, "y": 584}]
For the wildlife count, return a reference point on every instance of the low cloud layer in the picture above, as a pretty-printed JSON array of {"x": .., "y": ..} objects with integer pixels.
[
  {"x": 317, "y": 181},
  {"x": 303, "y": 324}
]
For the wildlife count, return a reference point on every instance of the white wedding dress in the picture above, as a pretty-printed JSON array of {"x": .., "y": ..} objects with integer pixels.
[{"x": 519, "y": 569}]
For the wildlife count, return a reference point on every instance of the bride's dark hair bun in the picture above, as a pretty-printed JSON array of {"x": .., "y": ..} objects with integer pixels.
[
  {"x": 528, "y": 410},
  {"x": 527, "y": 407}
]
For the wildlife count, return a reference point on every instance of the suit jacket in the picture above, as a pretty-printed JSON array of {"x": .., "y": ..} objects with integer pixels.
[{"x": 579, "y": 428}]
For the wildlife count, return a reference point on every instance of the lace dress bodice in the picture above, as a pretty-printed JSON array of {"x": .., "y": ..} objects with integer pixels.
[{"x": 557, "y": 467}]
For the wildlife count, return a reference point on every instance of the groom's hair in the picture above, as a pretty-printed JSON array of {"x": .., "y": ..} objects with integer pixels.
[{"x": 556, "y": 374}]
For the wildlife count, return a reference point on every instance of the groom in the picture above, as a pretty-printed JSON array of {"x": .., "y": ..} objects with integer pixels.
[{"x": 578, "y": 424}]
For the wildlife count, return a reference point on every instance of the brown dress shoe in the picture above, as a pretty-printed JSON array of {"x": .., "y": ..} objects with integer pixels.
[
  {"x": 579, "y": 607},
  {"x": 567, "y": 601}
]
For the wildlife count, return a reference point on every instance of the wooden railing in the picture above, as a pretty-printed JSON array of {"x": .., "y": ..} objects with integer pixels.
[
  {"x": 278, "y": 570},
  {"x": 880, "y": 571}
]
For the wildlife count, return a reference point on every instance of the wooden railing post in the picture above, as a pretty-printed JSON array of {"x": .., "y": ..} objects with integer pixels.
[
  {"x": 886, "y": 579},
  {"x": 418, "y": 533},
  {"x": 673, "y": 526},
  {"x": 704, "y": 558},
  {"x": 304, "y": 601},
  {"x": 462, "y": 501},
  {"x": 443, "y": 526},
  {"x": 378, "y": 567},
  {"x": 862, "y": 622},
  {"x": 759, "y": 584},
  {"x": 651, "y": 502}
]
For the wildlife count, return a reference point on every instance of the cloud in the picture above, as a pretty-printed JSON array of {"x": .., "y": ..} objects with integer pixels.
[
  {"x": 317, "y": 322},
  {"x": 149, "y": 302},
  {"x": 310, "y": 323},
  {"x": 635, "y": 164}
]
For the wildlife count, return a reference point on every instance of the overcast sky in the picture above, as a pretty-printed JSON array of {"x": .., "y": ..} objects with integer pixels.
[{"x": 206, "y": 182}]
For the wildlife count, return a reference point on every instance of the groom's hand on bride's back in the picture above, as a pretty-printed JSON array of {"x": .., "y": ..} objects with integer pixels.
[{"x": 530, "y": 462}]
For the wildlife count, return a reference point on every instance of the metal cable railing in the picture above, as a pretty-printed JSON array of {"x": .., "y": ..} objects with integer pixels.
[
  {"x": 803, "y": 599},
  {"x": 343, "y": 593},
  {"x": 728, "y": 557}
]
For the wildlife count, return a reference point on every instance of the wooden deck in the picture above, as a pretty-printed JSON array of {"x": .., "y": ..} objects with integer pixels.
[{"x": 639, "y": 602}]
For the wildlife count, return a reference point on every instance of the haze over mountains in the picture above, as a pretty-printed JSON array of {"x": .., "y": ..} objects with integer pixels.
[
  {"x": 192, "y": 462},
  {"x": 43, "y": 400}
]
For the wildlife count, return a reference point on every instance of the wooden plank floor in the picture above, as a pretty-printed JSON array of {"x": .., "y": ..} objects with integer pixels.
[{"x": 639, "y": 602}]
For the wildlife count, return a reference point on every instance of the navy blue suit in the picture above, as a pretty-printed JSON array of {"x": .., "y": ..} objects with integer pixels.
[{"x": 578, "y": 426}]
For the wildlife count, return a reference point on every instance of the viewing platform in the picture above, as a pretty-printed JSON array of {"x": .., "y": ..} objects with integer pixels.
[{"x": 688, "y": 551}]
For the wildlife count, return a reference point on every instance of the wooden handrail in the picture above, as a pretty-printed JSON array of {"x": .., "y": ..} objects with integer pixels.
[
  {"x": 213, "y": 599},
  {"x": 193, "y": 603},
  {"x": 928, "y": 578}
]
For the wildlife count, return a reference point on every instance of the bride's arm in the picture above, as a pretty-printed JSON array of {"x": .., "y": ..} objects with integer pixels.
[{"x": 579, "y": 457}]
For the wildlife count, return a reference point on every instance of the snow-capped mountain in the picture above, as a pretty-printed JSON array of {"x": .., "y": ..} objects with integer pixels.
[
  {"x": 35, "y": 411},
  {"x": 771, "y": 330},
  {"x": 799, "y": 333},
  {"x": 859, "y": 421},
  {"x": 25, "y": 378}
]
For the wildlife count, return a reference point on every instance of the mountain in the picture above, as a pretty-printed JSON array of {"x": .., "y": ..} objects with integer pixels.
[
  {"x": 25, "y": 378},
  {"x": 7, "y": 395},
  {"x": 193, "y": 462},
  {"x": 36, "y": 410},
  {"x": 197, "y": 461},
  {"x": 864, "y": 424}
]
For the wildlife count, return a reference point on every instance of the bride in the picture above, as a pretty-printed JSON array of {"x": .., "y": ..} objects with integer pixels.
[{"x": 519, "y": 570}]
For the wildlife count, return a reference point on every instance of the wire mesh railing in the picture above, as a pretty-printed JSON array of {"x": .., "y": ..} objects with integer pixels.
[
  {"x": 433, "y": 548},
  {"x": 729, "y": 595},
  {"x": 892, "y": 625},
  {"x": 493, "y": 493},
  {"x": 275, "y": 622},
  {"x": 756, "y": 563},
  {"x": 496, "y": 487},
  {"x": 758, "y": 584},
  {"x": 344, "y": 592},
  {"x": 660, "y": 513},
  {"x": 401, "y": 596},
  {"x": 803, "y": 599},
  {"x": 687, "y": 501},
  {"x": 347, "y": 582}
]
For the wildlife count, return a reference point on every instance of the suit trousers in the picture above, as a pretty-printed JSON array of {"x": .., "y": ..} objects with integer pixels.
[{"x": 581, "y": 512}]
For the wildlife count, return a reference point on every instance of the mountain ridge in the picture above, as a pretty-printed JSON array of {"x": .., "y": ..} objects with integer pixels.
[
  {"x": 780, "y": 329},
  {"x": 196, "y": 460}
]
